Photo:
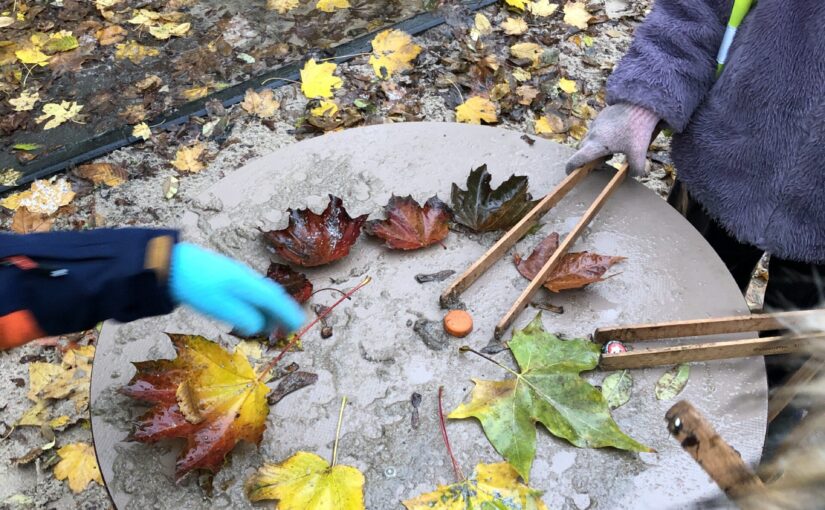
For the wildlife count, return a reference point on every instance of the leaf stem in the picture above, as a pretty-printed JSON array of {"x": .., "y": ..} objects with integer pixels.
[
  {"x": 351, "y": 55},
  {"x": 456, "y": 468},
  {"x": 269, "y": 366},
  {"x": 467, "y": 348},
  {"x": 276, "y": 78},
  {"x": 338, "y": 431}
]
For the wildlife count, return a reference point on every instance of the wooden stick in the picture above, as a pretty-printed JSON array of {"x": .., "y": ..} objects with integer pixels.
[
  {"x": 698, "y": 327},
  {"x": 788, "y": 391},
  {"x": 709, "y": 450},
  {"x": 513, "y": 235},
  {"x": 537, "y": 282},
  {"x": 643, "y": 358}
]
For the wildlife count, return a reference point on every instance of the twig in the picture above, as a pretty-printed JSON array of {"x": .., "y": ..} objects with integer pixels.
[
  {"x": 281, "y": 79},
  {"x": 467, "y": 348},
  {"x": 338, "y": 431},
  {"x": 352, "y": 55},
  {"x": 456, "y": 468}
]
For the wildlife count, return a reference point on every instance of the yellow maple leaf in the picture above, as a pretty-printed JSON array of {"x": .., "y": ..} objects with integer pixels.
[
  {"x": 575, "y": 13},
  {"x": 261, "y": 104},
  {"x": 331, "y": 5},
  {"x": 187, "y": 159},
  {"x": 26, "y": 100},
  {"x": 527, "y": 50},
  {"x": 167, "y": 30},
  {"x": 32, "y": 56},
  {"x": 543, "y": 8},
  {"x": 490, "y": 486},
  {"x": 549, "y": 125},
  {"x": 282, "y": 6},
  {"x": 518, "y": 4},
  {"x": 142, "y": 131},
  {"x": 305, "y": 481},
  {"x": 568, "y": 86},
  {"x": 475, "y": 110},
  {"x": 72, "y": 379},
  {"x": 324, "y": 108},
  {"x": 79, "y": 465},
  {"x": 135, "y": 51},
  {"x": 392, "y": 51},
  {"x": 59, "y": 113},
  {"x": 43, "y": 197},
  {"x": 514, "y": 26},
  {"x": 317, "y": 80}
]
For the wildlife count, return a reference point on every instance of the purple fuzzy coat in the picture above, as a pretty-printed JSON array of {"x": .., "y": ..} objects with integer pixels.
[{"x": 750, "y": 146}]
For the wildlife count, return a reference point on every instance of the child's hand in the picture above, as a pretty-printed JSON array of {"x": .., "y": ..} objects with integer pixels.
[{"x": 230, "y": 291}]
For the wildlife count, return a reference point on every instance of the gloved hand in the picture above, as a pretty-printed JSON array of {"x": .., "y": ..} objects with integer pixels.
[
  {"x": 620, "y": 128},
  {"x": 230, "y": 291}
]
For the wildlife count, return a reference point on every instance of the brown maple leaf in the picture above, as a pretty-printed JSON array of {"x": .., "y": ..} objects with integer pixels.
[
  {"x": 409, "y": 226},
  {"x": 316, "y": 239},
  {"x": 296, "y": 284},
  {"x": 575, "y": 271}
]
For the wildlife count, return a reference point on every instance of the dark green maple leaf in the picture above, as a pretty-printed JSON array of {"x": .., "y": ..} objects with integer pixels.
[
  {"x": 484, "y": 209},
  {"x": 548, "y": 390}
]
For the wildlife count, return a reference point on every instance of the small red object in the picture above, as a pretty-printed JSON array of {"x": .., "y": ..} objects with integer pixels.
[{"x": 614, "y": 347}]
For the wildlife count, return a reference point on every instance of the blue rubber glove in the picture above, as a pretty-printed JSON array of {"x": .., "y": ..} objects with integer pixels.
[{"x": 229, "y": 291}]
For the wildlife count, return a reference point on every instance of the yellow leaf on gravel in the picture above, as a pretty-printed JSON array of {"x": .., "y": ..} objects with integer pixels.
[
  {"x": 43, "y": 197},
  {"x": 187, "y": 159},
  {"x": 326, "y": 107},
  {"x": 282, "y": 6},
  {"x": 494, "y": 486},
  {"x": 475, "y": 110},
  {"x": 575, "y": 13},
  {"x": 566, "y": 85},
  {"x": 112, "y": 34},
  {"x": 135, "y": 51},
  {"x": 79, "y": 464},
  {"x": 73, "y": 379},
  {"x": 549, "y": 125},
  {"x": 32, "y": 56},
  {"x": 305, "y": 481},
  {"x": 331, "y": 5},
  {"x": 26, "y": 101},
  {"x": 514, "y": 26},
  {"x": 543, "y": 8},
  {"x": 9, "y": 177},
  {"x": 392, "y": 51},
  {"x": 518, "y": 4},
  {"x": 317, "y": 80},
  {"x": 27, "y": 222},
  {"x": 521, "y": 74},
  {"x": 6, "y": 21},
  {"x": 195, "y": 92},
  {"x": 528, "y": 50},
  {"x": 102, "y": 173},
  {"x": 481, "y": 27},
  {"x": 261, "y": 104},
  {"x": 59, "y": 113},
  {"x": 142, "y": 131},
  {"x": 167, "y": 30}
]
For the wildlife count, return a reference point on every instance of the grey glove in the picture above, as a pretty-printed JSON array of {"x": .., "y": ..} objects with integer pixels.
[{"x": 620, "y": 128}]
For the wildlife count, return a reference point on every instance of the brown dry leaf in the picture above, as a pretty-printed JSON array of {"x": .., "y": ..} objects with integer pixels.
[
  {"x": 476, "y": 110},
  {"x": 133, "y": 114},
  {"x": 514, "y": 26},
  {"x": 261, "y": 104},
  {"x": 150, "y": 82},
  {"x": 575, "y": 13},
  {"x": 112, "y": 34},
  {"x": 549, "y": 124},
  {"x": 102, "y": 173},
  {"x": 27, "y": 222},
  {"x": 526, "y": 94},
  {"x": 187, "y": 159}
]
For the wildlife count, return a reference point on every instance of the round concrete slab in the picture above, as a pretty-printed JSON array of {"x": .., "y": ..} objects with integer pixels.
[{"x": 378, "y": 360}]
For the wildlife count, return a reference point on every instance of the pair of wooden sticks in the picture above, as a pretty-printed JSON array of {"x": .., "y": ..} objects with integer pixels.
[{"x": 636, "y": 358}]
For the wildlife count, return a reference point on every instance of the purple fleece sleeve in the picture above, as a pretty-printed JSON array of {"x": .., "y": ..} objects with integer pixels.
[{"x": 671, "y": 63}]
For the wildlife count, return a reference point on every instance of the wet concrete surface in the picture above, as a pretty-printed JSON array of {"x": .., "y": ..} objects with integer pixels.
[{"x": 378, "y": 360}]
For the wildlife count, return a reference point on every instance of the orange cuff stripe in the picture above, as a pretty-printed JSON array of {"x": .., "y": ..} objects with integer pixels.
[{"x": 18, "y": 328}]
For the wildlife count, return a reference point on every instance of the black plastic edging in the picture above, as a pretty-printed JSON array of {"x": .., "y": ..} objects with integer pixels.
[{"x": 117, "y": 138}]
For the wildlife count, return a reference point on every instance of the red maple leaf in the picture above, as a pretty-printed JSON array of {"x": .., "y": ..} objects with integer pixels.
[
  {"x": 296, "y": 284},
  {"x": 409, "y": 226},
  {"x": 316, "y": 239},
  {"x": 575, "y": 271}
]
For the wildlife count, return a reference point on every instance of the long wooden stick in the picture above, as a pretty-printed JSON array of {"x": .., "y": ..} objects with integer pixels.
[
  {"x": 651, "y": 357},
  {"x": 698, "y": 327},
  {"x": 513, "y": 235},
  {"x": 527, "y": 294}
]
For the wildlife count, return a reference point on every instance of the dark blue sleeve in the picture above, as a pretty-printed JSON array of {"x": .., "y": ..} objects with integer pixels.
[{"x": 82, "y": 278}]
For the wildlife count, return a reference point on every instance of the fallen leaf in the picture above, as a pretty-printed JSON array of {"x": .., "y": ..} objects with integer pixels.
[
  {"x": 543, "y": 8},
  {"x": 616, "y": 388},
  {"x": 261, "y": 104},
  {"x": 548, "y": 390},
  {"x": 195, "y": 92},
  {"x": 408, "y": 226},
  {"x": 112, "y": 34},
  {"x": 142, "y": 131},
  {"x": 134, "y": 51},
  {"x": 32, "y": 56},
  {"x": 9, "y": 177},
  {"x": 59, "y": 42},
  {"x": 167, "y": 30},
  {"x": 514, "y": 26},
  {"x": 325, "y": 108},
  {"x": 317, "y": 80},
  {"x": 133, "y": 114},
  {"x": 223, "y": 390},
  {"x": 102, "y": 173},
  {"x": 73, "y": 379},
  {"x": 481, "y": 27},
  {"x": 315, "y": 239},
  {"x": 26, "y": 146},
  {"x": 188, "y": 159},
  {"x": 59, "y": 113},
  {"x": 294, "y": 283},
  {"x": 575, "y": 271},
  {"x": 548, "y": 125},
  {"x": 282, "y": 6},
  {"x": 170, "y": 187},
  {"x": 575, "y": 13},
  {"x": 491, "y": 486},
  {"x": 672, "y": 382},
  {"x": 476, "y": 110},
  {"x": 529, "y": 51},
  {"x": 6, "y": 21},
  {"x": 331, "y": 5},
  {"x": 150, "y": 82},
  {"x": 521, "y": 75},
  {"x": 519, "y": 5},
  {"x": 484, "y": 209},
  {"x": 79, "y": 464},
  {"x": 526, "y": 94},
  {"x": 306, "y": 481},
  {"x": 69, "y": 62},
  {"x": 26, "y": 100},
  {"x": 43, "y": 197},
  {"x": 26, "y": 222},
  {"x": 568, "y": 86},
  {"x": 392, "y": 51}
]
